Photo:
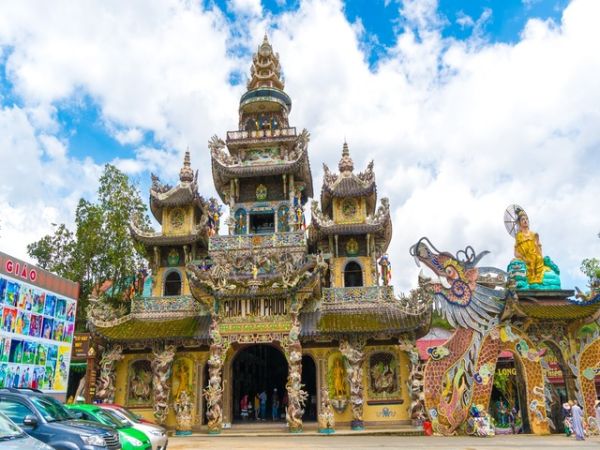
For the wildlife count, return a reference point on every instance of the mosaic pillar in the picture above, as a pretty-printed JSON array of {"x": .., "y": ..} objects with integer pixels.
[
  {"x": 105, "y": 387},
  {"x": 213, "y": 394},
  {"x": 415, "y": 382},
  {"x": 162, "y": 362},
  {"x": 296, "y": 395},
  {"x": 353, "y": 350}
]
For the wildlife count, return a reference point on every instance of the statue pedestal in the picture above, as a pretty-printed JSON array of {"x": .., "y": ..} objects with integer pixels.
[
  {"x": 357, "y": 425},
  {"x": 326, "y": 430},
  {"x": 183, "y": 432}
]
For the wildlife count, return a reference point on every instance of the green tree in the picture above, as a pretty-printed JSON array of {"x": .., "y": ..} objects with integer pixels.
[
  {"x": 101, "y": 249},
  {"x": 591, "y": 268}
]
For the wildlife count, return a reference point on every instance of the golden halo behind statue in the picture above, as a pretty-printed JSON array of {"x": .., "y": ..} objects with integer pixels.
[{"x": 511, "y": 219}]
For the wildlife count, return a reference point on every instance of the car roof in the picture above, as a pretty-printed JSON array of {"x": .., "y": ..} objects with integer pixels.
[{"x": 83, "y": 407}]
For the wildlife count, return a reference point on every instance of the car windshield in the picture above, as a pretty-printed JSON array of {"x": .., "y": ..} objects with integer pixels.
[
  {"x": 127, "y": 414},
  {"x": 51, "y": 409},
  {"x": 8, "y": 430},
  {"x": 123, "y": 422},
  {"x": 108, "y": 419}
]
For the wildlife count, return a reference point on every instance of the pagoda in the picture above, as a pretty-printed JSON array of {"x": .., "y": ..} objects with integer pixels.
[{"x": 292, "y": 312}]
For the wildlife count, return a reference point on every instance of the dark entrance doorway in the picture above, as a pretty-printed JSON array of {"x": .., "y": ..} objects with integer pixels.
[
  {"x": 309, "y": 380},
  {"x": 256, "y": 369},
  {"x": 353, "y": 275},
  {"x": 507, "y": 402}
]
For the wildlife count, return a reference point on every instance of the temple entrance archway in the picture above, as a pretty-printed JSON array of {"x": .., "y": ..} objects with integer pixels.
[
  {"x": 254, "y": 369},
  {"x": 309, "y": 380}
]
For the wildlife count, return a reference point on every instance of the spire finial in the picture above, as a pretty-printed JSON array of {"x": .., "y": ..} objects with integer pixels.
[
  {"x": 346, "y": 164},
  {"x": 186, "y": 174}
]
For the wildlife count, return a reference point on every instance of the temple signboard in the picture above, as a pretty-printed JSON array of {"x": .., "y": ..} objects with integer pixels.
[{"x": 254, "y": 307}]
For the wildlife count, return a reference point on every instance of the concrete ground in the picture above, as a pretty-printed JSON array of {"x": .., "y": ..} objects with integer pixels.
[{"x": 358, "y": 441}]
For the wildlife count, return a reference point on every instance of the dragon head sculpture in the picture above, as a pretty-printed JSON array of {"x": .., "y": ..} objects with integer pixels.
[{"x": 458, "y": 291}]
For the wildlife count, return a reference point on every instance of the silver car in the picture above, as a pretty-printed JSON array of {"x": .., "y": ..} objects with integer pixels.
[
  {"x": 13, "y": 438},
  {"x": 156, "y": 433}
]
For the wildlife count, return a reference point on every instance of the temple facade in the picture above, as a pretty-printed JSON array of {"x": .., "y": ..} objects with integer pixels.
[{"x": 300, "y": 316}]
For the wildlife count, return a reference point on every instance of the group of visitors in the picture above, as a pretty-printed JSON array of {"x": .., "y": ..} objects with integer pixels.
[
  {"x": 257, "y": 407},
  {"x": 574, "y": 419}
]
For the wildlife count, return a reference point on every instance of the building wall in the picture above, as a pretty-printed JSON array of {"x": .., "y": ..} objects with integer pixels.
[
  {"x": 338, "y": 265},
  {"x": 196, "y": 360}
]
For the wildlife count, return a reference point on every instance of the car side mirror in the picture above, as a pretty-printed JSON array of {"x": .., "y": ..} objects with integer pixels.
[{"x": 30, "y": 421}]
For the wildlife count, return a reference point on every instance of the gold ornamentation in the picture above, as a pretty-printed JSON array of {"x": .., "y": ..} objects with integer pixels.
[
  {"x": 352, "y": 247},
  {"x": 177, "y": 218},
  {"x": 261, "y": 192},
  {"x": 349, "y": 208}
]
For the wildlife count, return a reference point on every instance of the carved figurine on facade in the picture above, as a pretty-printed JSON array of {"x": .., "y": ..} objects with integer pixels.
[
  {"x": 214, "y": 392},
  {"x": 296, "y": 395},
  {"x": 326, "y": 416},
  {"x": 105, "y": 388},
  {"x": 414, "y": 382},
  {"x": 386, "y": 269},
  {"x": 214, "y": 216},
  {"x": 353, "y": 350},
  {"x": 162, "y": 361},
  {"x": 183, "y": 413}
]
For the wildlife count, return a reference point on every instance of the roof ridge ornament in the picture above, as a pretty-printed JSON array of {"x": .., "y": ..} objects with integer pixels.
[
  {"x": 346, "y": 165},
  {"x": 186, "y": 174}
]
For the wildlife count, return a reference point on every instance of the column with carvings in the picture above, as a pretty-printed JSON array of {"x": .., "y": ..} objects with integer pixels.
[
  {"x": 213, "y": 394},
  {"x": 415, "y": 381},
  {"x": 353, "y": 350},
  {"x": 162, "y": 362},
  {"x": 296, "y": 395},
  {"x": 105, "y": 386}
]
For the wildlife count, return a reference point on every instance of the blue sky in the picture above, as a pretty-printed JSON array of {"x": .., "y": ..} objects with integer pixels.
[{"x": 466, "y": 107}]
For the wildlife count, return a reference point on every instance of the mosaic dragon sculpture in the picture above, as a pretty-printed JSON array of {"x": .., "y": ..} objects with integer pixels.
[
  {"x": 162, "y": 361},
  {"x": 460, "y": 372},
  {"x": 105, "y": 387}
]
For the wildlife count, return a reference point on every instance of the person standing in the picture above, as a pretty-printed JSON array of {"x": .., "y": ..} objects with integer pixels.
[
  {"x": 256, "y": 406},
  {"x": 577, "y": 415},
  {"x": 263, "y": 405},
  {"x": 244, "y": 407},
  {"x": 275, "y": 405},
  {"x": 566, "y": 411}
]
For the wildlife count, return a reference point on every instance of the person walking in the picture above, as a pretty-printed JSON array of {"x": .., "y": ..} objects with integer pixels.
[
  {"x": 256, "y": 407},
  {"x": 577, "y": 417},
  {"x": 244, "y": 407},
  {"x": 275, "y": 405},
  {"x": 566, "y": 411},
  {"x": 263, "y": 405}
]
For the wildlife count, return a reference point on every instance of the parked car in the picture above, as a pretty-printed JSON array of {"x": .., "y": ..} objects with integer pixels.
[
  {"x": 134, "y": 416},
  {"x": 45, "y": 418},
  {"x": 156, "y": 433},
  {"x": 14, "y": 438},
  {"x": 131, "y": 439}
]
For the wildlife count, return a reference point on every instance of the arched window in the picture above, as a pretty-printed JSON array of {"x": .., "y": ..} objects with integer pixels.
[
  {"x": 173, "y": 284},
  {"x": 353, "y": 275}
]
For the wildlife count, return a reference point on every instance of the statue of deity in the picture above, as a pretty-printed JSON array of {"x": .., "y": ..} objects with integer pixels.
[
  {"x": 529, "y": 249},
  {"x": 339, "y": 378},
  {"x": 386, "y": 269}
]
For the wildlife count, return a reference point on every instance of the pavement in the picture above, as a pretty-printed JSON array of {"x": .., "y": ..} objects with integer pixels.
[{"x": 361, "y": 440}]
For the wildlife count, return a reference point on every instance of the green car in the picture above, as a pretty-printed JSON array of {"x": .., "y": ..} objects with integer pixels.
[{"x": 131, "y": 439}]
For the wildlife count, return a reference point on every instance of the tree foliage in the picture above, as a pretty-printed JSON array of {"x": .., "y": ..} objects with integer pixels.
[
  {"x": 101, "y": 248},
  {"x": 591, "y": 267}
]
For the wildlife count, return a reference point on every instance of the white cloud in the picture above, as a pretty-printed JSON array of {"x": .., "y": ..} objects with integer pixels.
[{"x": 458, "y": 129}]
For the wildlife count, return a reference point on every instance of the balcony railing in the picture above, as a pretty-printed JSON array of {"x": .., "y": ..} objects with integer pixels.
[
  {"x": 255, "y": 134},
  {"x": 257, "y": 241},
  {"x": 164, "y": 306},
  {"x": 359, "y": 294}
]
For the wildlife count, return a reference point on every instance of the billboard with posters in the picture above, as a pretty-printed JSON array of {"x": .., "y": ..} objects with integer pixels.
[{"x": 37, "y": 323}]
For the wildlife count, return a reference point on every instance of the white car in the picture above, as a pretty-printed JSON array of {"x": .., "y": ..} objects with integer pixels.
[{"x": 156, "y": 433}]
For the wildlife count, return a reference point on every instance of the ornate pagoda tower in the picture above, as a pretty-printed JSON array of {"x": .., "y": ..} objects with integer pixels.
[
  {"x": 186, "y": 223},
  {"x": 348, "y": 228},
  {"x": 260, "y": 274}
]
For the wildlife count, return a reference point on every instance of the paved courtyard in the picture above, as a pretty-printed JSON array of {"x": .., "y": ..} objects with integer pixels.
[{"x": 378, "y": 442}]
